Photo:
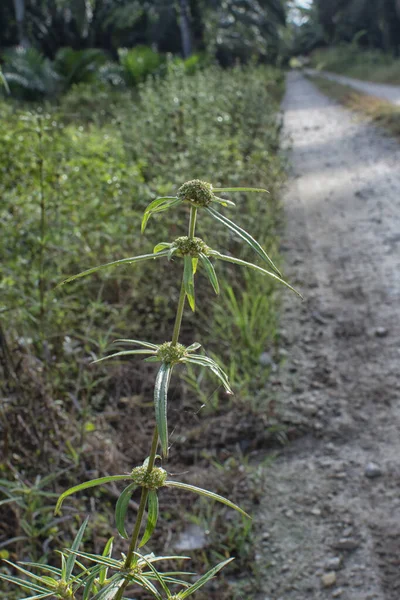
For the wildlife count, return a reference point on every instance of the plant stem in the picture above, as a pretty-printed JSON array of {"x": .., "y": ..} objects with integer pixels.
[{"x": 145, "y": 492}]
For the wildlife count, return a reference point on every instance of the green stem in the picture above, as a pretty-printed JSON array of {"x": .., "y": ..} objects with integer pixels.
[{"x": 145, "y": 492}]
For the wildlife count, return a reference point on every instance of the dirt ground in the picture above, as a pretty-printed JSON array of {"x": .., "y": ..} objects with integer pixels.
[{"x": 329, "y": 523}]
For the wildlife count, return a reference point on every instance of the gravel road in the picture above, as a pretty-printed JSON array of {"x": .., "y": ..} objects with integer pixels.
[
  {"x": 391, "y": 93},
  {"x": 329, "y": 525}
]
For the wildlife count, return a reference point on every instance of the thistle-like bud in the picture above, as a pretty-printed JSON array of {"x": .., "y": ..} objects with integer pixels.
[
  {"x": 171, "y": 354},
  {"x": 152, "y": 481},
  {"x": 196, "y": 192},
  {"x": 190, "y": 246}
]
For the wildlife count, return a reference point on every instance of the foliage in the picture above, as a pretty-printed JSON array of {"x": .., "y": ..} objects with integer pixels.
[
  {"x": 348, "y": 59},
  {"x": 72, "y": 192},
  {"x": 78, "y": 66},
  {"x": 137, "y": 63},
  {"x": 28, "y": 74}
]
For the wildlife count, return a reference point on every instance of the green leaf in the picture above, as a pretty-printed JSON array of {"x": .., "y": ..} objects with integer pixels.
[
  {"x": 23, "y": 583},
  {"x": 188, "y": 280},
  {"x": 152, "y": 517},
  {"x": 123, "y": 353},
  {"x": 75, "y": 545},
  {"x": 244, "y": 235},
  {"x": 208, "y": 494},
  {"x": 100, "y": 559},
  {"x": 223, "y": 201},
  {"x": 239, "y": 189},
  {"x": 203, "y": 580},
  {"x": 210, "y": 271},
  {"x": 195, "y": 262},
  {"x": 157, "y": 575},
  {"x": 115, "y": 263},
  {"x": 198, "y": 359},
  {"x": 238, "y": 261},
  {"x": 109, "y": 592},
  {"x": 121, "y": 508},
  {"x": 193, "y": 347},
  {"x": 160, "y": 404},
  {"x": 86, "y": 485},
  {"x": 161, "y": 246},
  {"x": 41, "y": 578},
  {"x": 158, "y": 205},
  {"x": 107, "y": 554},
  {"x": 138, "y": 342}
]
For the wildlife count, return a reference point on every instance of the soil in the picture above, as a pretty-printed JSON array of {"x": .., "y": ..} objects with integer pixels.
[
  {"x": 388, "y": 92},
  {"x": 329, "y": 523}
]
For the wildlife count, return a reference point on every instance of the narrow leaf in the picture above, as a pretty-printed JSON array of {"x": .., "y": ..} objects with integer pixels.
[
  {"x": 152, "y": 517},
  {"x": 121, "y": 508},
  {"x": 217, "y": 371},
  {"x": 138, "y": 342},
  {"x": 75, "y": 545},
  {"x": 223, "y": 201},
  {"x": 115, "y": 263},
  {"x": 203, "y": 580},
  {"x": 239, "y": 189},
  {"x": 107, "y": 554},
  {"x": 123, "y": 353},
  {"x": 208, "y": 494},
  {"x": 160, "y": 404},
  {"x": 188, "y": 280},
  {"x": 87, "y": 485},
  {"x": 210, "y": 272},
  {"x": 109, "y": 592},
  {"x": 238, "y": 261},
  {"x": 158, "y": 205},
  {"x": 193, "y": 347},
  {"x": 161, "y": 246},
  {"x": 244, "y": 235},
  {"x": 157, "y": 575},
  {"x": 23, "y": 583}
]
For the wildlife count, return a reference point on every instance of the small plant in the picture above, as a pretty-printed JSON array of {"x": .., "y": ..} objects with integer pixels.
[{"x": 107, "y": 578}]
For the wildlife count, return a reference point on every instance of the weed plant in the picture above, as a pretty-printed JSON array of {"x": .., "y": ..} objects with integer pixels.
[
  {"x": 100, "y": 576},
  {"x": 98, "y": 174}
]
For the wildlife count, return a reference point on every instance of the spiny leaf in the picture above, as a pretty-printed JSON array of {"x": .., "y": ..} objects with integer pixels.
[
  {"x": 86, "y": 485},
  {"x": 245, "y": 236},
  {"x": 188, "y": 280},
  {"x": 121, "y": 508},
  {"x": 238, "y": 261},
  {"x": 203, "y": 580},
  {"x": 115, "y": 263},
  {"x": 160, "y": 404},
  {"x": 210, "y": 272},
  {"x": 207, "y": 493},
  {"x": 152, "y": 517}
]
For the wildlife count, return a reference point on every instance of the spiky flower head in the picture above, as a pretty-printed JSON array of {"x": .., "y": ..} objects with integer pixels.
[
  {"x": 171, "y": 354},
  {"x": 190, "y": 246},
  {"x": 152, "y": 481},
  {"x": 197, "y": 192}
]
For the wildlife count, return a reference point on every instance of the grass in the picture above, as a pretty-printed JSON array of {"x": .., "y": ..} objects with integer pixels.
[
  {"x": 379, "y": 111},
  {"x": 75, "y": 179},
  {"x": 348, "y": 59}
]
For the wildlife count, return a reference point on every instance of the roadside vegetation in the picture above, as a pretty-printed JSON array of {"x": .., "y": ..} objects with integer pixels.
[
  {"x": 379, "y": 111},
  {"x": 353, "y": 61},
  {"x": 76, "y": 178}
]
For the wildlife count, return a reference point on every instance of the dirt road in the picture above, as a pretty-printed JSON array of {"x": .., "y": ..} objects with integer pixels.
[
  {"x": 391, "y": 93},
  {"x": 330, "y": 521}
]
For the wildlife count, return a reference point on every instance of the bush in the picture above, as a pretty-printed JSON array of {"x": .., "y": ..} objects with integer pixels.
[{"x": 138, "y": 63}]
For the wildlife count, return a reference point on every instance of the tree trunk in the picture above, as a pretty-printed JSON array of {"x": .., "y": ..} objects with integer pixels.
[
  {"x": 184, "y": 26},
  {"x": 19, "y": 8}
]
